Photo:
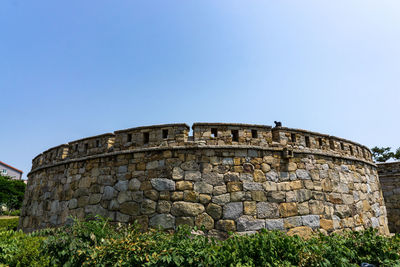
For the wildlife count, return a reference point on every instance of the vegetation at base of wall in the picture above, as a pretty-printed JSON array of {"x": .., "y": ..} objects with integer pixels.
[
  {"x": 383, "y": 154},
  {"x": 98, "y": 243},
  {"x": 11, "y": 192},
  {"x": 8, "y": 224}
]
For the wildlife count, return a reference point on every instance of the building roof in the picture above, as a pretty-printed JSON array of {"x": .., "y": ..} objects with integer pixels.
[{"x": 15, "y": 169}]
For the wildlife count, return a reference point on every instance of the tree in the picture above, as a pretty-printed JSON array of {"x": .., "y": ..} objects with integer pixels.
[
  {"x": 383, "y": 154},
  {"x": 11, "y": 192},
  {"x": 397, "y": 154}
]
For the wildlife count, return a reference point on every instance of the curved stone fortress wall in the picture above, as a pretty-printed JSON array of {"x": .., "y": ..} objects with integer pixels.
[
  {"x": 226, "y": 177},
  {"x": 389, "y": 175}
]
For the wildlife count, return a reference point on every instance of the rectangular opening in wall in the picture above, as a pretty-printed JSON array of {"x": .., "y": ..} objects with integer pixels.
[
  {"x": 146, "y": 137},
  {"x": 214, "y": 132},
  {"x": 332, "y": 144},
  {"x": 235, "y": 135},
  {"x": 86, "y": 146},
  {"x": 351, "y": 150},
  {"x": 307, "y": 141},
  {"x": 76, "y": 147},
  {"x": 319, "y": 140},
  {"x": 341, "y": 146},
  {"x": 165, "y": 133},
  {"x": 97, "y": 143},
  {"x": 293, "y": 138},
  {"x": 129, "y": 138},
  {"x": 254, "y": 134}
]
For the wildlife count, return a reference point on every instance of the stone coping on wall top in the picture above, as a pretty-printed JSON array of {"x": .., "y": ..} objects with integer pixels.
[
  {"x": 319, "y": 134},
  {"x": 198, "y": 146},
  {"x": 224, "y": 124},
  {"x": 92, "y": 137},
  {"x": 154, "y": 127}
]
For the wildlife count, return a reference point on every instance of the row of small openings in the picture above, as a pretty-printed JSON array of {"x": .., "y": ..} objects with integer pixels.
[
  {"x": 146, "y": 136},
  {"x": 86, "y": 145},
  {"x": 234, "y": 134}
]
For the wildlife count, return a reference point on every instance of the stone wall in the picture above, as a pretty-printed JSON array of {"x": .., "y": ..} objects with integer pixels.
[
  {"x": 226, "y": 177},
  {"x": 389, "y": 175}
]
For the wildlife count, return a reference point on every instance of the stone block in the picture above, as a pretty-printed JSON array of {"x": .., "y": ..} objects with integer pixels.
[
  {"x": 121, "y": 186},
  {"x": 164, "y": 221},
  {"x": 122, "y": 197},
  {"x": 274, "y": 224},
  {"x": 130, "y": 208},
  {"x": 204, "y": 199},
  {"x": 148, "y": 207},
  {"x": 204, "y": 220},
  {"x": 252, "y": 186},
  {"x": 326, "y": 224},
  {"x": 288, "y": 209},
  {"x": 184, "y": 220},
  {"x": 226, "y": 225},
  {"x": 292, "y": 222},
  {"x": 190, "y": 196},
  {"x": 134, "y": 184},
  {"x": 302, "y": 231},
  {"x": 234, "y": 186},
  {"x": 233, "y": 210},
  {"x": 258, "y": 196},
  {"x": 219, "y": 190},
  {"x": 163, "y": 184},
  {"x": 259, "y": 176},
  {"x": 176, "y": 196},
  {"x": 185, "y": 209},
  {"x": 267, "y": 210},
  {"x": 221, "y": 199},
  {"x": 249, "y": 208},
  {"x": 248, "y": 223},
  {"x": 163, "y": 206},
  {"x": 184, "y": 185},
  {"x": 214, "y": 210},
  {"x": 109, "y": 193},
  {"x": 238, "y": 196},
  {"x": 203, "y": 188},
  {"x": 303, "y": 174},
  {"x": 272, "y": 176},
  {"x": 213, "y": 178},
  {"x": 311, "y": 221},
  {"x": 177, "y": 173}
]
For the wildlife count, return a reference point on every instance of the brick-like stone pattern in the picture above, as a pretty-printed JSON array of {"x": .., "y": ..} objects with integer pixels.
[
  {"x": 246, "y": 178},
  {"x": 389, "y": 175}
]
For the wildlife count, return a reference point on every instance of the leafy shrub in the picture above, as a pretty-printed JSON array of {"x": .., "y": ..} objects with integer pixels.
[
  {"x": 19, "y": 249},
  {"x": 9, "y": 224},
  {"x": 11, "y": 192},
  {"x": 99, "y": 243}
]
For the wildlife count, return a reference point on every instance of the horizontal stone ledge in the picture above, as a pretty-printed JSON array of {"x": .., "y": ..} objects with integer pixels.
[{"x": 199, "y": 146}]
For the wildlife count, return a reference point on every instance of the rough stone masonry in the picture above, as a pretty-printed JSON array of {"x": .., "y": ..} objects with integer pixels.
[{"x": 226, "y": 177}]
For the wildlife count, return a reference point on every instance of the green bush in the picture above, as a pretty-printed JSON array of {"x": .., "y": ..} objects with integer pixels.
[
  {"x": 99, "y": 243},
  {"x": 19, "y": 249},
  {"x": 9, "y": 224},
  {"x": 11, "y": 192}
]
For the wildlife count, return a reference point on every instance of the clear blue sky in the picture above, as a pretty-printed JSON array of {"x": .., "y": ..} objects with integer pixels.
[{"x": 72, "y": 69}]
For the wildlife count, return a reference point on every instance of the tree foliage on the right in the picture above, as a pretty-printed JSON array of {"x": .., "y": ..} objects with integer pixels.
[{"x": 383, "y": 154}]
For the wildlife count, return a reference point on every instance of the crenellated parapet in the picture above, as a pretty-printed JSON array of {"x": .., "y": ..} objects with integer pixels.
[
  {"x": 307, "y": 140},
  {"x": 151, "y": 136},
  {"x": 232, "y": 134},
  {"x": 212, "y": 134}
]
